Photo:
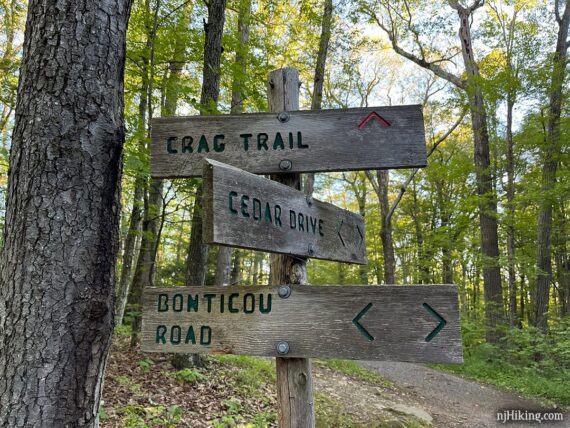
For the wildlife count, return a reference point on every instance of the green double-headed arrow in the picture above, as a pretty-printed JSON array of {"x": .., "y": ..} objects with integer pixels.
[{"x": 428, "y": 308}]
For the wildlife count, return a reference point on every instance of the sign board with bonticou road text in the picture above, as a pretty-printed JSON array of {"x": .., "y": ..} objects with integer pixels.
[{"x": 418, "y": 323}]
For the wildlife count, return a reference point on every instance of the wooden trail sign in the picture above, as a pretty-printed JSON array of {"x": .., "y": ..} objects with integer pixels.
[
  {"x": 417, "y": 323},
  {"x": 249, "y": 211},
  {"x": 293, "y": 142}
]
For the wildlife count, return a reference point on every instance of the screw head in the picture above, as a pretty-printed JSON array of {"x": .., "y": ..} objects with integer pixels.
[
  {"x": 283, "y": 348},
  {"x": 283, "y": 117},
  {"x": 284, "y": 291},
  {"x": 311, "y": 250},
  {"x": 309, "y": 200},
  {"x": 285, "y": 165}
]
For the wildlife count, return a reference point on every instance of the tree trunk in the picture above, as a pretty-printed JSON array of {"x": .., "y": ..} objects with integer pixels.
[
  {"x": 492, "y": 288},
  {"x": 57, "y": 268},
  {"x": 386, "y": 228},
  {"x": 513, "y": 318},
  {"x": 241, "y": 58},
  {"x": 551, "y": 156},
  {"x": 361, "y": 198},
  {"x": 446, "y": 244},
  {"x": 423, "y": 260},
  {"x": 142, "y": 274},
  {"x": 129, "y": 252},
  {"x": 144, "y": 270},
  {"x": 562, "y": 260},
  {"x": 224, "y": 257},
  {"x": 235, "y": 277},
  {"x": 197, "y": 261},
  {"x": 317, "y": 99}
]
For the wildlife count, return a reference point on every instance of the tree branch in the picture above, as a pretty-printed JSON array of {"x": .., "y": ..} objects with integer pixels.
[
  {"x": 404, "y": 187},
  {"x": 422, "y": 62},
  {"x": 557, "y": 11}
]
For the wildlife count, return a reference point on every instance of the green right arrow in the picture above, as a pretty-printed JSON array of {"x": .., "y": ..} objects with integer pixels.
[{"x": 438, "y": 317}]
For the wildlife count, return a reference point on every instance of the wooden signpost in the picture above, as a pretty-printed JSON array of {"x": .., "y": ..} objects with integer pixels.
[
  {"x": 294, "y": 322},
  {"x": 249, "y": 211},
  {"x": 291, "y": 142},
  {"x": 401, "y": 323}
]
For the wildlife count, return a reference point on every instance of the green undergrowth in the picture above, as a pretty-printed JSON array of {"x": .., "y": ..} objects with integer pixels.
[
  {"x": 247, "y": 373},
  {"x": 526, "y": 360},
  {"x": 252, "y": 380}
]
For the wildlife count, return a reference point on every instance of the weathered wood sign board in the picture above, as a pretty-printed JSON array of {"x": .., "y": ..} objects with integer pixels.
[
  {"x": 402, "y": 323},
  {"x": 249, "y": 211},
  {"x": 299, "y": 141}
]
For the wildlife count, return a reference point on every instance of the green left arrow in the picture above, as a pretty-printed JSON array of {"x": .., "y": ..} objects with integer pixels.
[{"x": 360, "y": 327}]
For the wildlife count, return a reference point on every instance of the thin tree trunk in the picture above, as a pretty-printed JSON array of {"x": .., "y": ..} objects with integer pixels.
[
  {"x": 560, "y": 250},
  {"x": 255, "y": 279},
  {"x": 361, "y": 198},
  {"x": 143, "y": 276},
  {"x": 493, "y": 293},
  {"x": 551, "y": 157},
  {"x": 145, "y": 262},
  {"x": 423, "y": 261},
  {"x": 317, "y": 99},
  {"x": 235, "y": 277},
  {"x": 57, "y": 268},
  {"x": 197, "y": 261},
  {"x": 224, "y": 257},
  {"x": 386, "y": 228},
  {"x": 513, "y": 318},
  {"x": 129, "y": 252}
]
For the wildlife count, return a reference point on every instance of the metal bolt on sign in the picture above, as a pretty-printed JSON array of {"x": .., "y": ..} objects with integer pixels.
[{"x": 283, "y": 348}]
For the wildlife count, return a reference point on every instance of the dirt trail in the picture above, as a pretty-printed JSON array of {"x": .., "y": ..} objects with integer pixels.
[{"x": 452, "y": 401}]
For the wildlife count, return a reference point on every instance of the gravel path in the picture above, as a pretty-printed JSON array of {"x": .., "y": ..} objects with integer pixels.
[{"x": 453, "y": 401}]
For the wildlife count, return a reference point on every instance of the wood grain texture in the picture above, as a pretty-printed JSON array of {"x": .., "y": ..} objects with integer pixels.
[
  {"x": 315, "y": 321},
  {"x": 333, "y": 140},
  {"x": 294, "y": 375},
  {"x": 249, "y": 211}
]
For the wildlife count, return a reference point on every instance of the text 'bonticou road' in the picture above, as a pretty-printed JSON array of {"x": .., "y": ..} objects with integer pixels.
[
  {"x": 210, "y": 303},
  {"x": 406, "y": 323}
]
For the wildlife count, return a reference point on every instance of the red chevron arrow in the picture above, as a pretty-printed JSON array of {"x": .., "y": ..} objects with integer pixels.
[{"x": 377, "y": 117}]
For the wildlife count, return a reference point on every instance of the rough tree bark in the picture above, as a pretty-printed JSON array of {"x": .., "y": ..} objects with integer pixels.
[
  {"x": 551, "y": 157},
  {"x": 57, "y": 268}
]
